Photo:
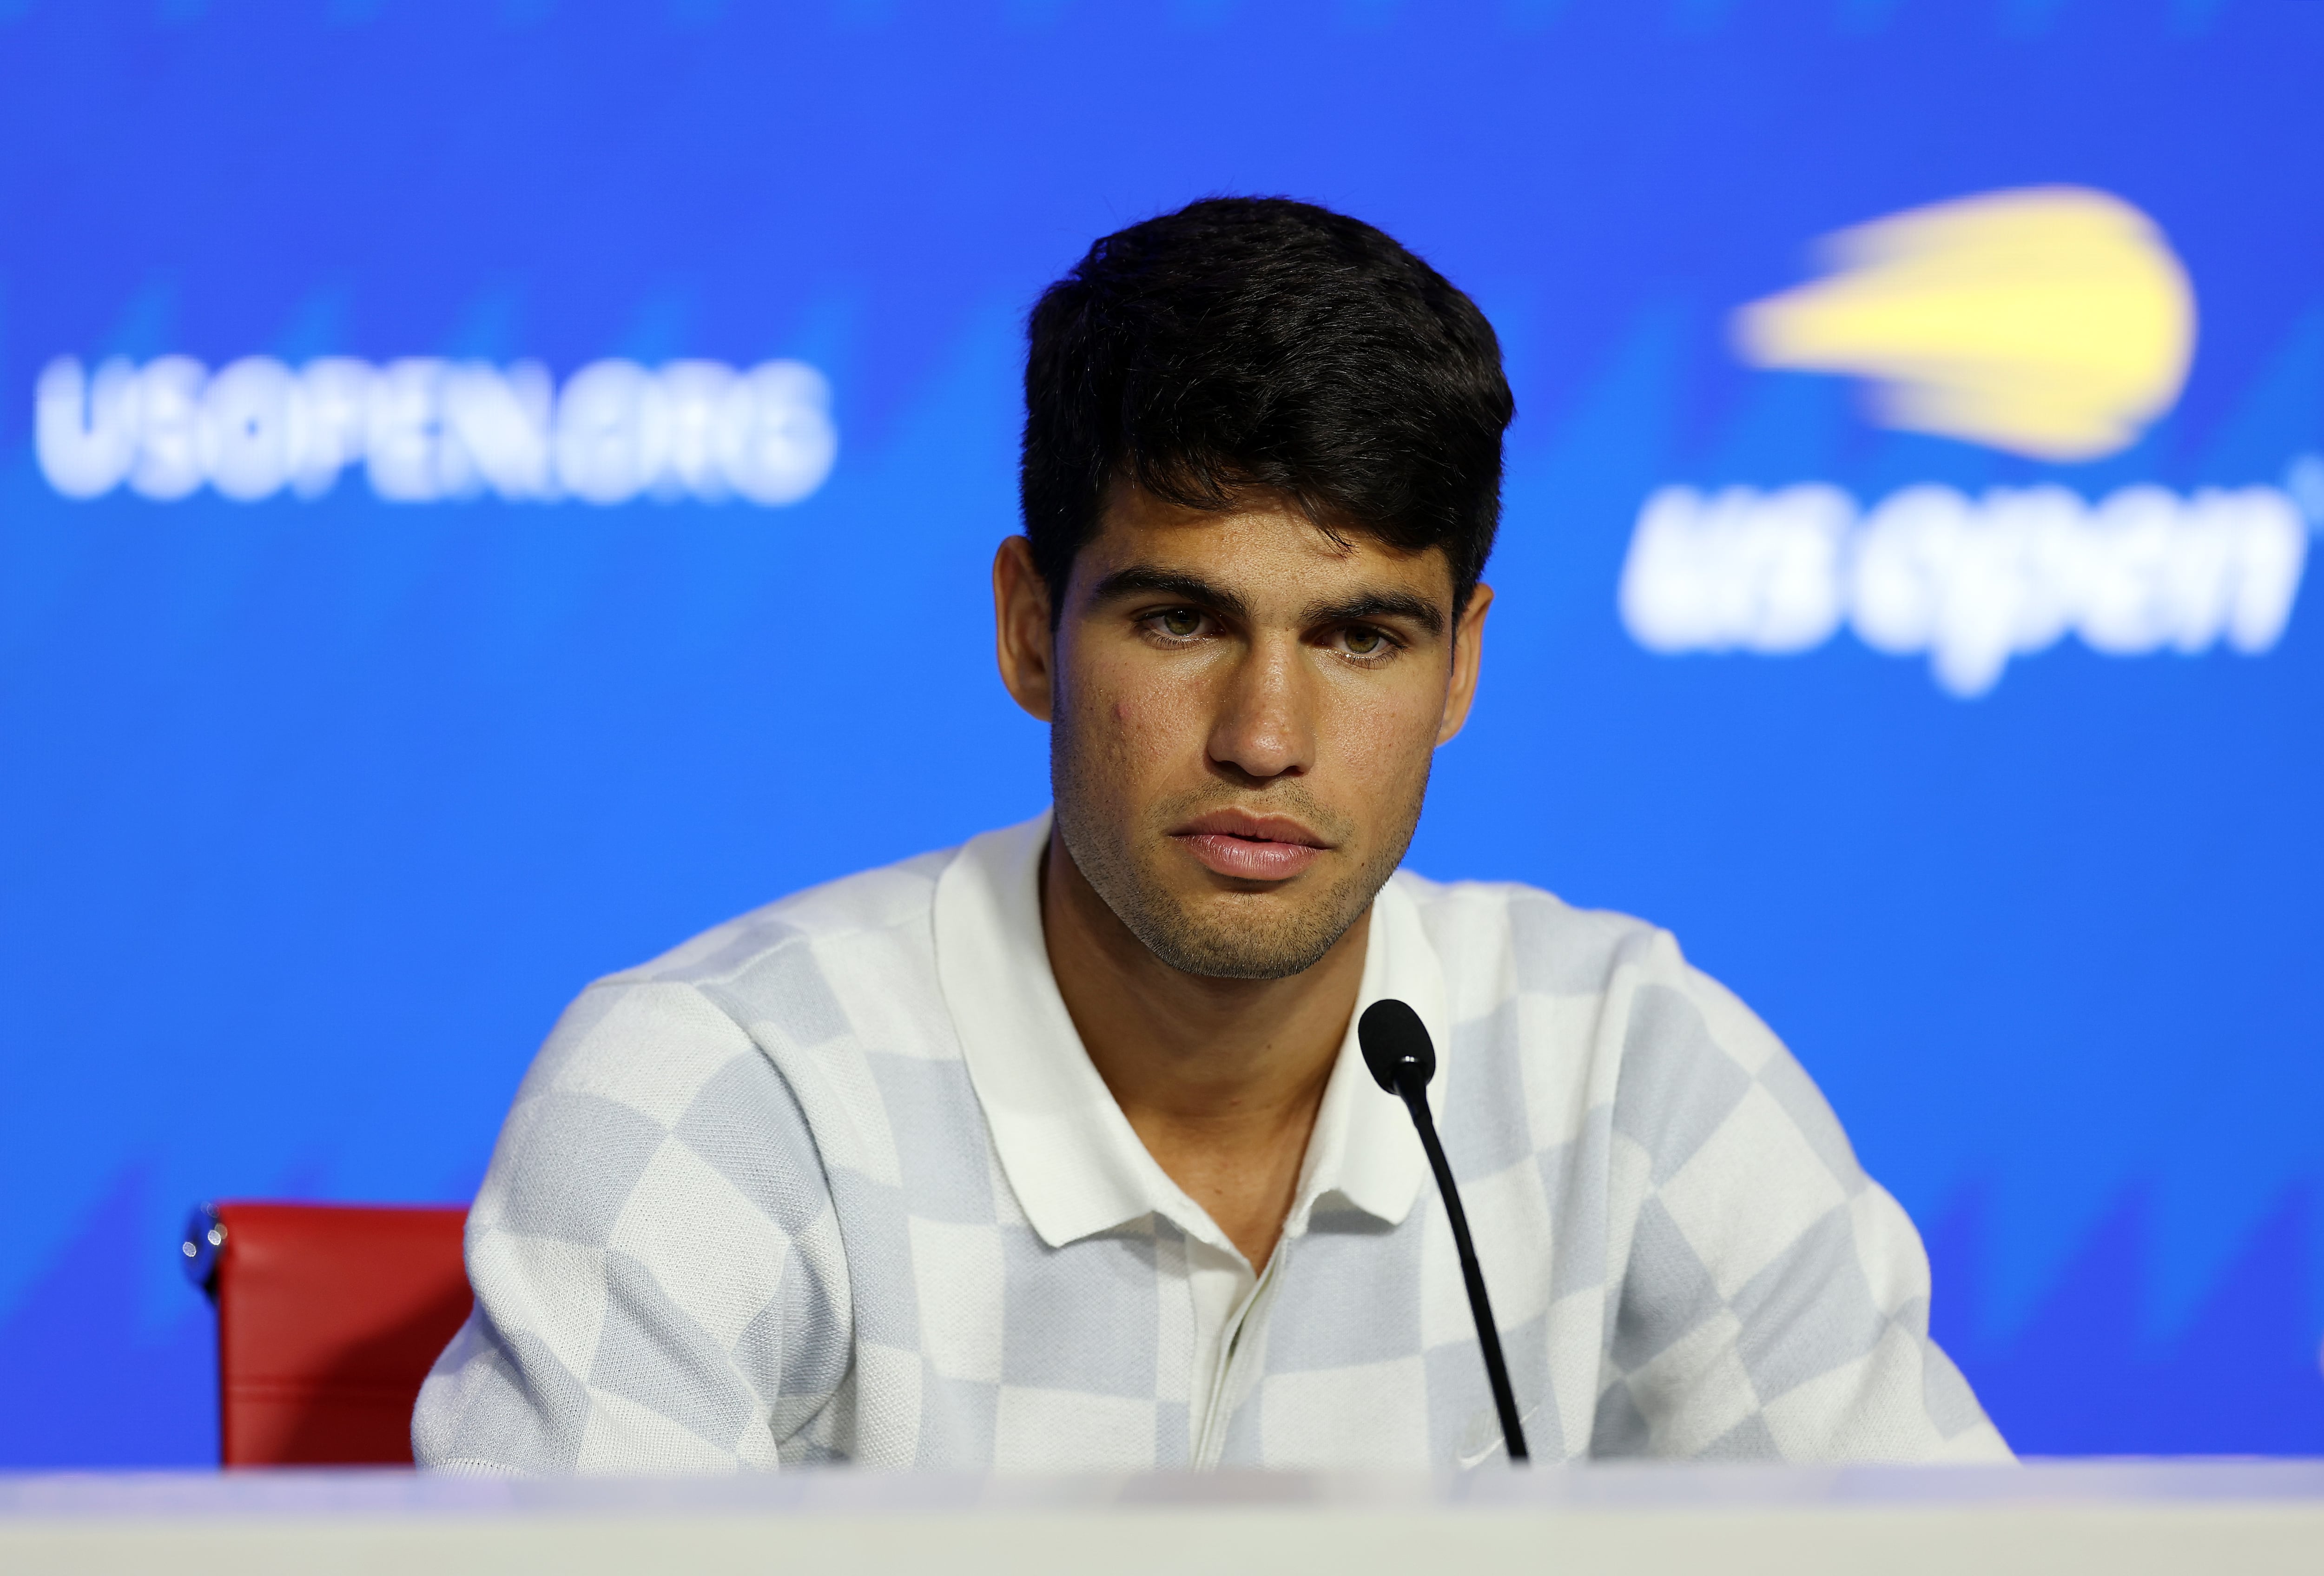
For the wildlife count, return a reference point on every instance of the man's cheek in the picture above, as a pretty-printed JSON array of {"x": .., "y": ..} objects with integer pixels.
[
  {"x": 1153, "y": 717},
  {"x": 1384, "y": 736},
  {"x": 1116, "y": 742}
]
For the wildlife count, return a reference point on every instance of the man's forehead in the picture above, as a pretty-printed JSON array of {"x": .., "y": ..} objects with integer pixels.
[{"x": 1268, "y": 546}]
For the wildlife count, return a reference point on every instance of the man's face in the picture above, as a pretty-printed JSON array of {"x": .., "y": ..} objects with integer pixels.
[{"x": 1243, "y": 713}]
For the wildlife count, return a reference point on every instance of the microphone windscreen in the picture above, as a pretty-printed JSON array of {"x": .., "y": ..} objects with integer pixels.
[{"x": 1395, "y": 1044}]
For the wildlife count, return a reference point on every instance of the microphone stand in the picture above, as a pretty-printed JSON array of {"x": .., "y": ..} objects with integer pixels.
[{"x": 1397, "y": 1050}]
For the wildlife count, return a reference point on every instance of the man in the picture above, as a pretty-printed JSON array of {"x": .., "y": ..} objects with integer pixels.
[{"x": 1056, "y": 1151}]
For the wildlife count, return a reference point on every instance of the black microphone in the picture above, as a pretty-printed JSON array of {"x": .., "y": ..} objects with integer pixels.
[{"x": 1396, "y": 1049}]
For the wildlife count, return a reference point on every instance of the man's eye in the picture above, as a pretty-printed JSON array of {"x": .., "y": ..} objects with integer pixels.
[
  {"x": 1179, "y": 621},
  {"x": 1363, "y": 642}
]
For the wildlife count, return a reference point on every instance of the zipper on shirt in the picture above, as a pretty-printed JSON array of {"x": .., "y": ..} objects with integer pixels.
[{"x": 1208, "y": 1448}]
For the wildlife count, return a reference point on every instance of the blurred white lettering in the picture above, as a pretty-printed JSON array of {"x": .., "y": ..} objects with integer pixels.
[
  {"x": 1776, "y": 586},
  {"x": 169, "y": 463},
  {"x": 248, "y": 420},
  {"x": 1972, "y": 583},
  {"x": 606, "y": 449},
  {"x": 401, "y": 432},
  {"x": 426, "y": 430},
  {"x": 84, "y": 431},
  {"x": 775, "y": 439},
  {"x": 335, "y": 398}
]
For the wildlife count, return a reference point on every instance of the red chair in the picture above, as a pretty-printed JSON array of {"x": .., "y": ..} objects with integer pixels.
[{"x": 330, "y": 1315}]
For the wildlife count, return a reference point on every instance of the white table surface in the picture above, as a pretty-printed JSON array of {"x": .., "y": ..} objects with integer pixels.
[{"x": 2126, "y": 1516}]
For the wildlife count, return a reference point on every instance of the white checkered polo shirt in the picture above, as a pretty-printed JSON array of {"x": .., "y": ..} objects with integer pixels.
[{"x": 837, "y": 1181}]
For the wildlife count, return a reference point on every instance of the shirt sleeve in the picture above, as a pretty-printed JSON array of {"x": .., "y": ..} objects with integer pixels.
[
  {"x": 658, "y": 1280},
  {"x": 1773, "y": 1299}
]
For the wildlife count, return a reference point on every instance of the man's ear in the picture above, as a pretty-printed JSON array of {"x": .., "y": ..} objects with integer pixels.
[
  {"x": 1468, "y": 650},
  {"x": 1024, "y": 641}
]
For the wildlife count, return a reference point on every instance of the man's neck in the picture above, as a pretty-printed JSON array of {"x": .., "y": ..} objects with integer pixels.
[{"x": 1220, "y": 1079}]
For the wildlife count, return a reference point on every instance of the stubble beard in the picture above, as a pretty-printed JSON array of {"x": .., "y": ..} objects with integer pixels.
[{"x": 1233, "y": 935}]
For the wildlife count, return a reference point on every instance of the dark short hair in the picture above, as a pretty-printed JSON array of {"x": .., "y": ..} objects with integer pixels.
[{"x": 1258, "y": 345}]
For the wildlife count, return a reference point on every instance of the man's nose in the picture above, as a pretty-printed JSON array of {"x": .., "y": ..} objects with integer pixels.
[{"x": 1264, "y": 727}]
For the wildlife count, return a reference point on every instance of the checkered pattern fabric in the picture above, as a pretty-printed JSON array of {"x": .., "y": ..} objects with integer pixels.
[{"x": 747, "y": 1212}]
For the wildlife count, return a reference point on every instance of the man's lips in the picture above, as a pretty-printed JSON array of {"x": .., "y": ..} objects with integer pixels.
[{"x": 1248, "y": 847}]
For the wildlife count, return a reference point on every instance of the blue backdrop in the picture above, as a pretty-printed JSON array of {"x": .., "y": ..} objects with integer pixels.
[{"x": 317, "y": 809}]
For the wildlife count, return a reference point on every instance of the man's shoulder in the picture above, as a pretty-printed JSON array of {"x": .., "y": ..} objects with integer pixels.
[
  {"x": 1602, "y": 990},
  {"x": 796, "y": 972},
  {"x": 888, "y": 905},
  {"x": 838, "y": 963},
  {"x": 1504, "y": 936}
]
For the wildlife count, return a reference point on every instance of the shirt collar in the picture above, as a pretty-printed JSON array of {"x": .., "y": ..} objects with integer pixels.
[{"x": 1071, "y": 1156}]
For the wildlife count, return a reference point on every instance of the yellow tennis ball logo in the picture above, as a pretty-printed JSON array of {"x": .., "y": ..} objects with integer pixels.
[{"x": 2053, "y": 322}]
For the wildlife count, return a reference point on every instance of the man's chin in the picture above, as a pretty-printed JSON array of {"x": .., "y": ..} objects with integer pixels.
[
  {"x": 1244, "y": 932},
  {"x": 1212, "y": 957}
]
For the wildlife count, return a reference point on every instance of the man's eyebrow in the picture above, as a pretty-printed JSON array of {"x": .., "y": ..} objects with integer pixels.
[
  {"x": 1378, "y": 605},
  {"x": 1144, "y": 580}
]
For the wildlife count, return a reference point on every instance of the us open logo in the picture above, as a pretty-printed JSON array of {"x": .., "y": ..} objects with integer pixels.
[
  {"x": 2055, "y": 324},
  {"x": 1971, "y": 582}
]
